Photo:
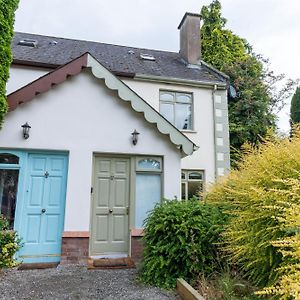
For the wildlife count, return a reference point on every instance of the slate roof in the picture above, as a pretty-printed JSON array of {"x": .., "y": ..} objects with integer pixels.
[{"x": 120, "y": 60}]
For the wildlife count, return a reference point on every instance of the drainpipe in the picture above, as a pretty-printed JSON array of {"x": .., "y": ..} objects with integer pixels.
[{"x": 215, "y": 87}]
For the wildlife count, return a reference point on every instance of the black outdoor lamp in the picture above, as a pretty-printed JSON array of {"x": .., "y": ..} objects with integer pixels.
[
  {"x": 135, "y": 135},
  {"x": 26, "y": 127}
]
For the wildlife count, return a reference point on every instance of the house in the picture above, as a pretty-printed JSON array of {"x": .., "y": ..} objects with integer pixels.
[{"x": 97, "y": 134}]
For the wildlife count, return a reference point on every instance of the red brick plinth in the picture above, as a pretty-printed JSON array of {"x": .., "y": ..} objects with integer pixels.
[{"x": 75, "y": 250}]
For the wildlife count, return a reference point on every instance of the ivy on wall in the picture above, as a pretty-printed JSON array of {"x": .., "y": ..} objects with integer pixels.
[{"x": 7, "y": 13}]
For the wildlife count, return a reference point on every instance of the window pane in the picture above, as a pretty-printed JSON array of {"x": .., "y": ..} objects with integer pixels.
[
  {"x": 149, "y": 163},
  {"x": 185, "y": 98},
  {"x": 165, "y": 96},
  {"x": 167, "y": 111},
  {"x": 7, "y": 158},
  {"x": 194, "y": 189},
  {"x": 148, "y": 193},
  {"x": 195, "y": 175},
  {"x": 183, "y": 116},
  {"x": 8, "y": 194},
  {"x": 183, "y": 191},
  {"x": 182, "y": 175}
]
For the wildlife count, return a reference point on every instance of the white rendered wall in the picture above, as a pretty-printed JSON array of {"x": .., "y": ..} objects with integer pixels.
[
  {"x": 22, "y": 75},
  {"x": 82, "y": 116},
  {"x": 203, "y": 133}
]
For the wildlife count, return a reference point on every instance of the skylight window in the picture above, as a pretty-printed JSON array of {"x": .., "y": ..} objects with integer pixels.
[
  {"x": 28, "y": 43},
  {"x": 146, "y": 56}
]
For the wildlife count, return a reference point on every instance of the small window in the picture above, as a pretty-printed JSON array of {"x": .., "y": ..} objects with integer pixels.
[
  {"x": 7, "y": 158},
  {"x": 28, "y": 43},
  {"x": 192, "y": 184},
  {"x": 149, "y": 164},
  {"x": 177, "y": 108}
]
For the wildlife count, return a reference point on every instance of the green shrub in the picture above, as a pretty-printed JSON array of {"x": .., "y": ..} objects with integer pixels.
[
  {"x": 181, "y": 241},
  {"x": 9, "y": 244},
  {"x": 260, "y": 194}
]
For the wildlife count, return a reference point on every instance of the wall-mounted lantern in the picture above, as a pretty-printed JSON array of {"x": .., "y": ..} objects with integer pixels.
[
  {"x": 135, "y": 135},
  {"x": 26, "y": 127}
]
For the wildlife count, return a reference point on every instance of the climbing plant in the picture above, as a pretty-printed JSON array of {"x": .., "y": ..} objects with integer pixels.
[{"x": 7, "y": 12}]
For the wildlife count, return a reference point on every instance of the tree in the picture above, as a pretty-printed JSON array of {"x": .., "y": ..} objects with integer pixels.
[
  {"x": 295, "y": 107},
  {"x": 7, "y": 12},
  {"x": 253, "y": 107}
]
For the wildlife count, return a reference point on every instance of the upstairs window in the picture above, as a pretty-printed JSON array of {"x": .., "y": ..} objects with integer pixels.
[{"x": 177, "y": 108}]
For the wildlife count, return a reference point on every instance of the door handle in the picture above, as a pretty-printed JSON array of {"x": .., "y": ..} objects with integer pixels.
[
  {"x": 43, "y": 210},
  {"x": 110, "y": 211}
]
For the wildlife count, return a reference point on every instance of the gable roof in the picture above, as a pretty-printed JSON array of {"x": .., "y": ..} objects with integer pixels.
[
  {"x": 59, "y": 75},
  {"x": 120, "y": 60}
]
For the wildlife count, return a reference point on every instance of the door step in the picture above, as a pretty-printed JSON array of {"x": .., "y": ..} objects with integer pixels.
[
  {"x": 32, "y": 266},
  {"x": 110, "y": 263}
]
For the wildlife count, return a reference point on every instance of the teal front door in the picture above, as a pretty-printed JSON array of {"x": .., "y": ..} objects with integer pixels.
[{"x": 41, "y": 211}]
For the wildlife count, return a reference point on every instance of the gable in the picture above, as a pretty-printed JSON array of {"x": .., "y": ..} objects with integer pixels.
[{"x": 124, "y": 93}]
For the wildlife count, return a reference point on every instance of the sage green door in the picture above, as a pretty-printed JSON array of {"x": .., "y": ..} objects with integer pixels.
[{"x": 110, "y": 205}]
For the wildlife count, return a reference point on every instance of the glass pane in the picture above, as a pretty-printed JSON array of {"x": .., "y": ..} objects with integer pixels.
[
  {"x": 149, "y": 163},
  {"x": 167, "y": 111},
  {"x": 195, "y": 175},
  {"x": 148, "y": 193},
  {"x": 165, "y": 96},
  {"x": 182, "y": 175},
  {"x": 8, "y": 194},
  {"x": 185, "y": 98},
  {"x": 195, "y": 188},
  {"x": 183, "y": 116},
  {"x": 183, "y": 191},
  {"x": 7, "y": 158}
]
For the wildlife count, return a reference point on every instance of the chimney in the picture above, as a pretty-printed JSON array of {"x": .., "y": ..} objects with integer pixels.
[{"x": 190, "y": 41}]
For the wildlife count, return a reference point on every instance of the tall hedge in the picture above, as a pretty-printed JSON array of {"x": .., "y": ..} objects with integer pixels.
[
  {"x": 7, "y": 12},
  {"x": 263, "y": 200}
]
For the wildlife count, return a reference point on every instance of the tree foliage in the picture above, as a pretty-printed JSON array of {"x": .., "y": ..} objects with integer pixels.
[
  {"x": 7, "y": 11},
  {"x": 253, "y": 109},
  {"x": 295, "y": 107}
]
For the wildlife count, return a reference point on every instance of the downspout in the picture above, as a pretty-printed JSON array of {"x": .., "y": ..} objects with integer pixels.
[{"x": 215, "y": 87}]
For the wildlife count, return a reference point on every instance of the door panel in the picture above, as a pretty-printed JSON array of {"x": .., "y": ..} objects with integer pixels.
[
  {"x": 110, "y": 232},
  {"x": 42, "y": 214}
]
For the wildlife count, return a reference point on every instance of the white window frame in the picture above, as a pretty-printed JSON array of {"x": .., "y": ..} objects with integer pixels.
[
  {"x": 185, "y": 181},
  {"x": 174, "y": 105}
]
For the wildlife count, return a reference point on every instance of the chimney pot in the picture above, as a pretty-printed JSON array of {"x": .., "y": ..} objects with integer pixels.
[{"x": 190, "y": 41}]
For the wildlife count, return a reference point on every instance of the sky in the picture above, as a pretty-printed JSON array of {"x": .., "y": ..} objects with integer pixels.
[{"x": 272, "y": 27}]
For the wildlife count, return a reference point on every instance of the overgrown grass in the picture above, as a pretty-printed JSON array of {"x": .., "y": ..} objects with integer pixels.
[{"x": 225, "y": 286}]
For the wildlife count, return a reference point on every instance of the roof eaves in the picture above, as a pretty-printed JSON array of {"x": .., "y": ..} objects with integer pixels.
[
  {"x": 213, "y": 69},
  {"x": 189, "y": 82}
]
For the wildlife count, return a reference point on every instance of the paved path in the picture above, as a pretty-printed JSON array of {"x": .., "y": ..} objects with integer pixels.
[{"x": 76, "y": 282}]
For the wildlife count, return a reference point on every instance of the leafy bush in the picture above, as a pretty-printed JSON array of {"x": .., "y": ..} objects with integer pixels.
[
  {"x": 9, "y": 244},
  {"x": 288, "y": 287},
  {"x": 181, "y": 241},
  {"x": 261, "y": 196}
]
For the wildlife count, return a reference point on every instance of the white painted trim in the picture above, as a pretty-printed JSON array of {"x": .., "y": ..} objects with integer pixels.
[{"x": 139, "y": 105}]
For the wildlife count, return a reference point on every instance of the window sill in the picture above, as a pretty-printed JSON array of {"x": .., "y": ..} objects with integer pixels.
[{"x": 188, "y": 131}]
